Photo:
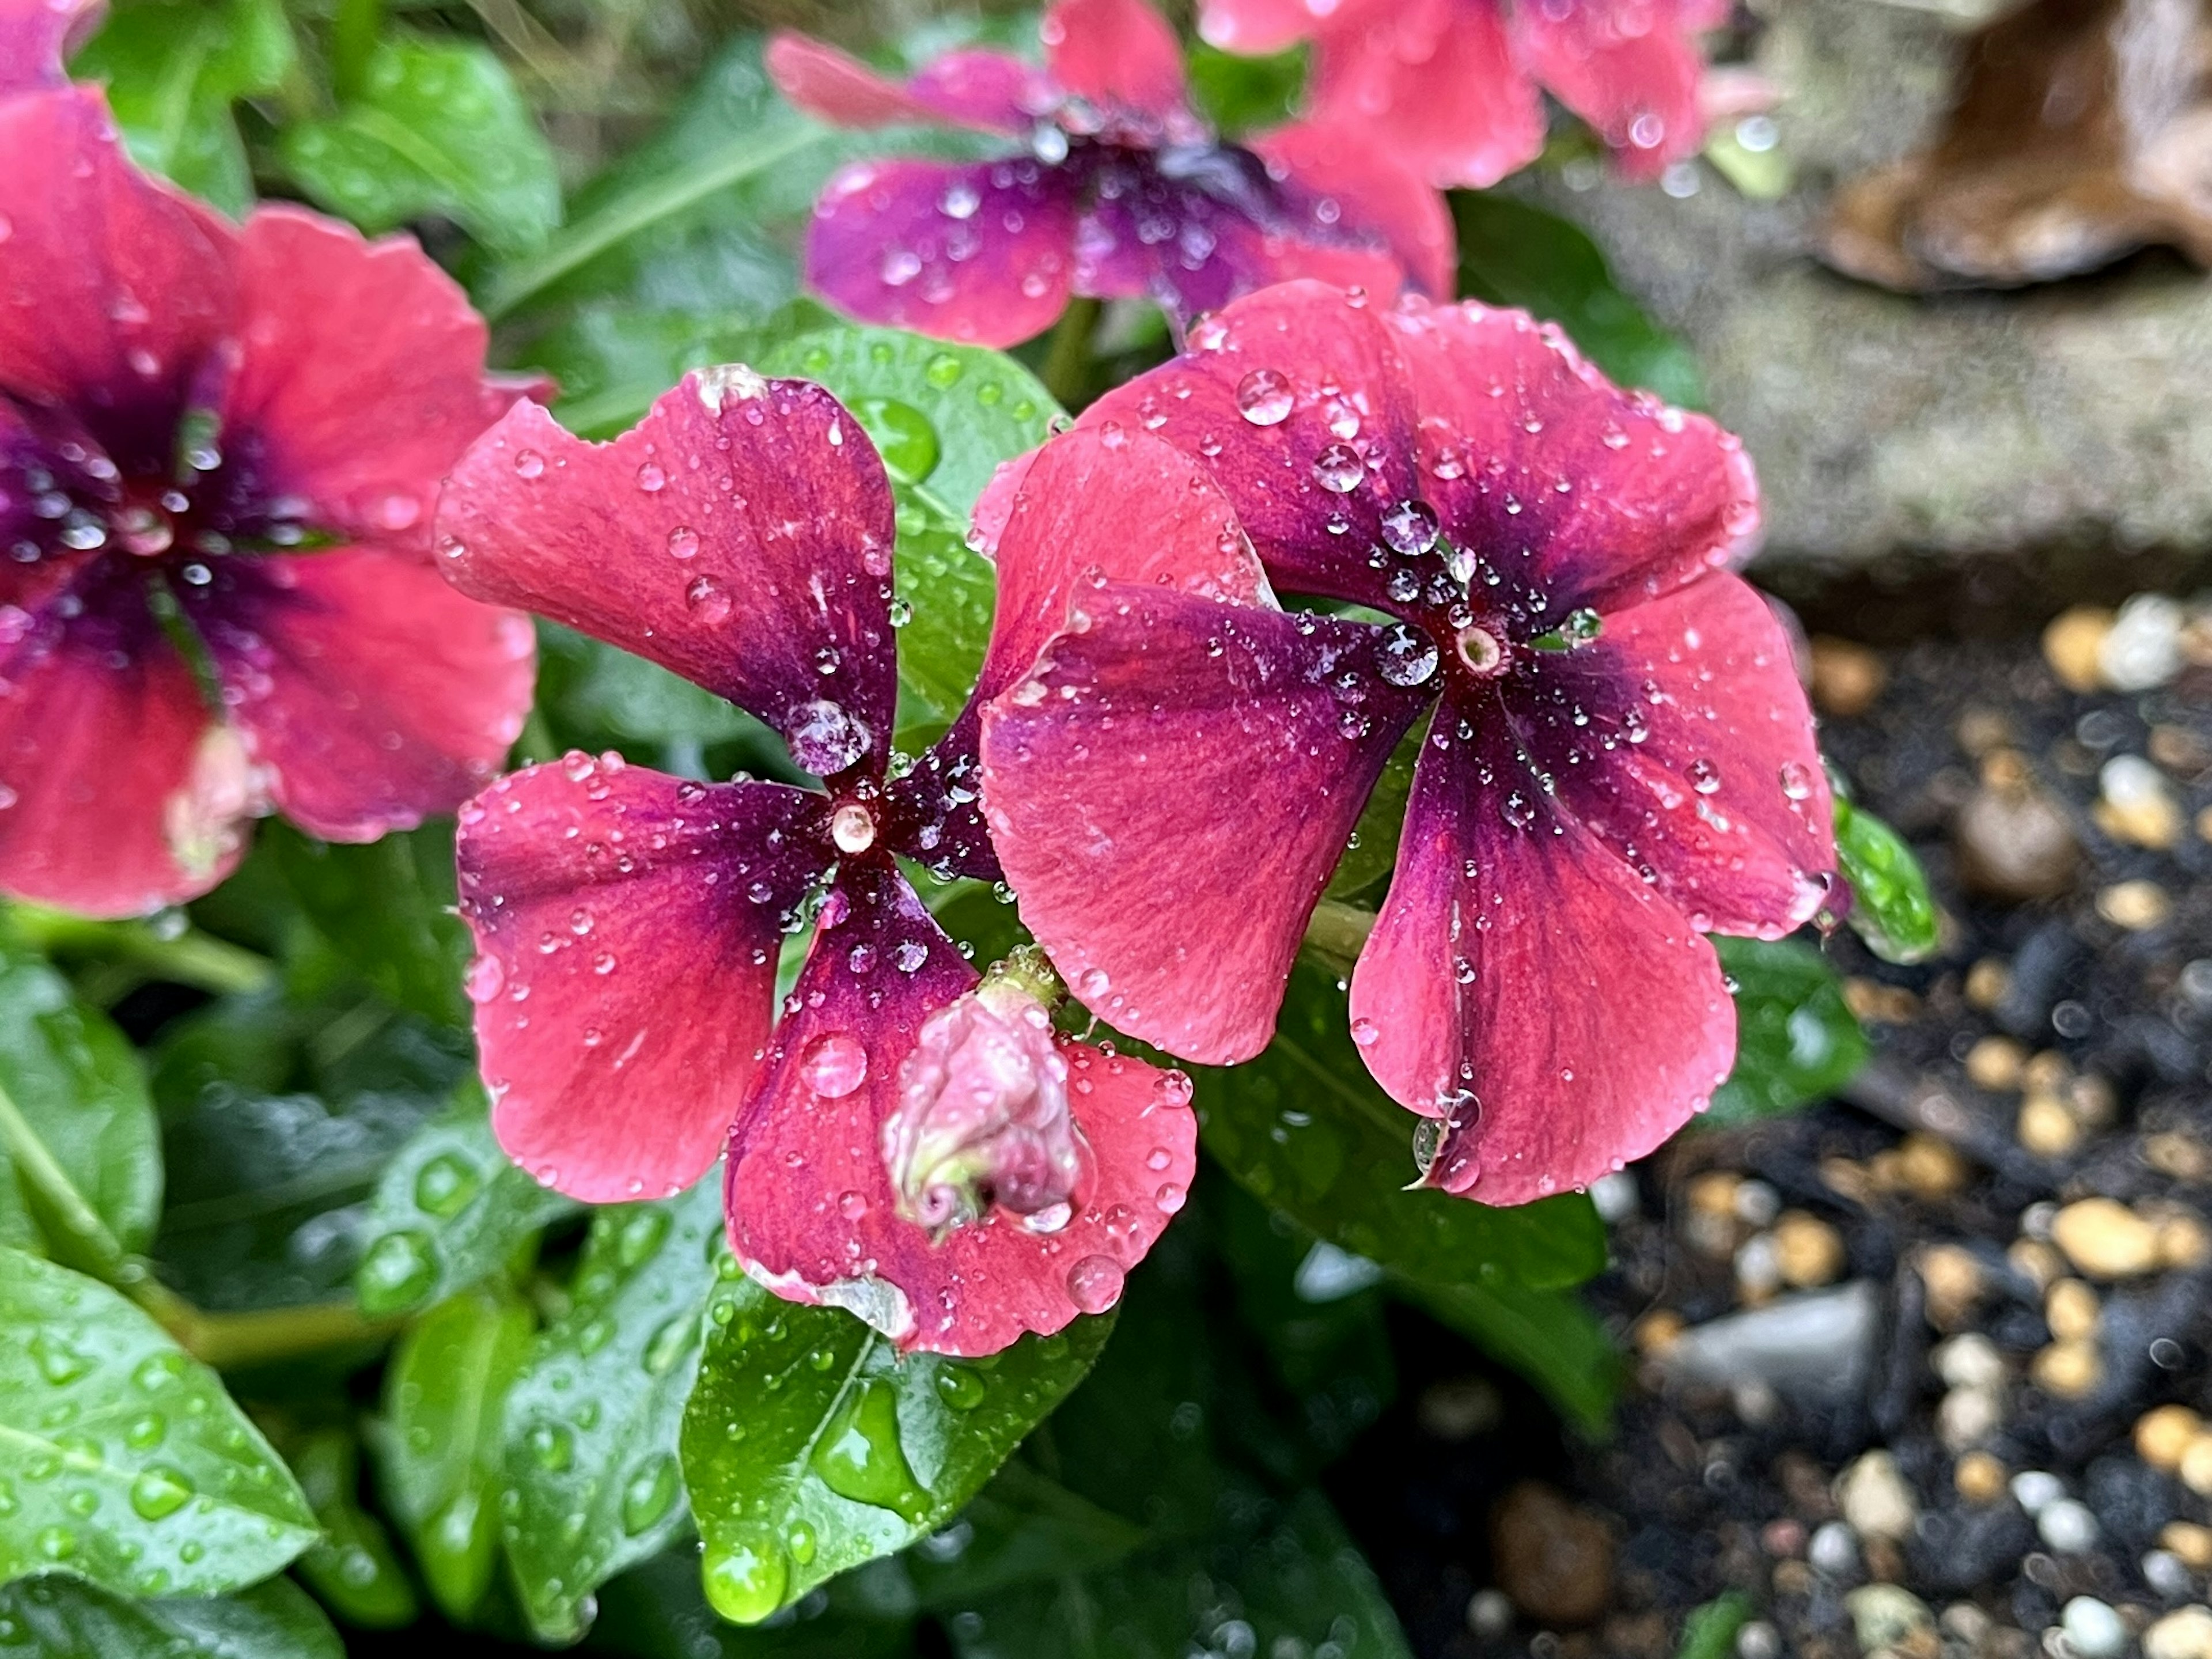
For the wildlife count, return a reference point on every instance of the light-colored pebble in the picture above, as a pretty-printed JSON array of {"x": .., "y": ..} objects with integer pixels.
[
  {"x": 2196, "y": 1465},
  {"x": 2068, "y": 1527},
  {"x": 2167, "y": 1574},
  {"x": 2045, "y": 1128},
  {"x": 2105, "y": 1239},
  {"x": 1886, "y": 1616},
  {"x": 2036, "y": 1490},
  {"x": 1489, "y": 1613},
  {"x": 1953, "y": 1280},
  {"x": 2071, "y": 644},
  {"x": 1758, "y": 1640},
  {"x": 1758, "y": 1269},
  {"x": 2190, "y": 1541},
  {"x": 1755, "y": 1203},
  {"x": 1996, "y": 1063},
  {"x": 1967, "y": 1417},
  {"x": 2142, "y": 651},
  {"x": 2136, "y": 805},
  {"x": 2163, "y": 1434},
  {"x": 2184, "y": 1633},
  {"x": 1987, "y": 981},
  {"x": 1971, "y": 1361},
  {"x": 2137, "y": 906},
  {"x": 2183, "y": 1242},
  {"x": 1808, "y": 1251},
  {"x": 1833, "y": 1549},
  {"x": 2071, "y": 1371},
  {"x": 1615, "y": 1197},
  {"x": 1979, "y": 1478},
  {"x": 2092, "y": 1629},
  {"x": 2071, "y": 1309},
  {"x": 1875, "y": 1499},
  {"x": 1931, "y": 1167},
  {"x": 1846, "y": 678}
]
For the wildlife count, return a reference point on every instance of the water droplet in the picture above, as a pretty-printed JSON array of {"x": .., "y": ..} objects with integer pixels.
[
  {"x": 745, "y": 1580},
  {"x": 961, "y": 1387},
  {"x": 824, "y": 739},
  {"x": 1364, "y": 1033},
  {"x": 553, "y": 1446},
  {"x": 1704, "y": 776},
  {"x": 1406, "y": 656},
  {"x": 650, "y": 1495},
  {"x": 1171, "y": 1197},
  {"x": 834, "y": 1065},
  {"x": 1338, "y": 468},
  {"x": 859, "y": 1455},
  {"x": 160, "y": 1491},
  {"x": 903, "y": 436},
  {"x": 399, "y": 1272},
  {"x": 443, "y": 1185},
  {"x": 707, "y": 600},
  {"x": 157, "y": 1373},
  {"x": 1094, "y": 1284},
  {"x": 529, "y": 463},
  {"x": 1796, "y": 779},
  {"x": 684, "y": 542},
  {"x": 1264, "y": 396},
  {"x": 57, "y": 1362},
  {"x": 651, "y": 479},
  {"x": 1410, "y": 527},
  {"x": 943, "y": 370},
  {"x": 146, "y": 1431},
  {"x": 853, "y": 827},
  {"x": 484, "y": 979},
  {"x": 669, "y": 1344}
]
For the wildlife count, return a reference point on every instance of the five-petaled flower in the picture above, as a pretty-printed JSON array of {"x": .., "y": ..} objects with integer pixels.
[
  {"x": 1618, "y": 758},
  {"x": 1121, "y": 189},
  {"x": 229, "y": 436},
  {"x": 629, "y": 923},
  {"x": 1452, "y": 85}
]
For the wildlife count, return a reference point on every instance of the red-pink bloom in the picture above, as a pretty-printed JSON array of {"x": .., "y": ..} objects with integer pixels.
[
  {"x": 1618, "y": 757},
  {"x": 1120, "y": 191},
  {"x": 1453, "y": 85},
  {"x": 236, "y": 431},
  {"x": 629, "y": 923}
]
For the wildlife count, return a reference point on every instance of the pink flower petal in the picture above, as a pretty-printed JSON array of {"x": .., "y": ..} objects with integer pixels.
[
  {"x": 1433, "y": 84},
  {"x": 811, "y": 1210},
  {"x": 981, "y": 252},
  {"x": 1212, "y": 758},
  {"x": 1630, "y": 67},
  {"x": 360, "y": 379},
  {"x": 118, "y": 792},
  {"x": 1696, "y": 759},
  {"x": 1522, "y": 983},
  {"x": 627, "y": 926},
  {"x": 371, "y": 694},
  {"x": 113, "y": 288},
  {"x": 1258, "y": 27},
  {"x": 740, "y": 534},
  {"x": 1117, "y": 54},
  {"x": 1652, "y": 498},
  {"x": 1369, "y": 188},
  {"x": 1297, "y": 400},
  {"x": 37, "y": 36},
  {"x": 990, "y": 91}
]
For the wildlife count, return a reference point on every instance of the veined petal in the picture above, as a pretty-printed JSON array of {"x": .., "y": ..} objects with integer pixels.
[
  {"x": 1257, "y": 27},
  {"x": 369, "y": 693},
  {"x": 1629, "y": 68},
  {"x": 1683, "y": 739},
  {"x": 812, "y": 1214},
  {"x": 1365, "y": 186},
  {"x": 740, "y": 534},
  {"x": 991, "y": 91},
  {"x": 36, "y": 38},
  {"x": 981, "y": 252},
  {"x": 1118, "y": 54},
  {"x": 120, "y": 792},
  {"x": 1432, "y": 84},
  {"x": 1523, "y": 985},
  {"x": 1211, "y": 758},
  {"x": 359, "y": 378},
  {"x": 1570, "y": 491},
  {"x": 627, "y": 926}
]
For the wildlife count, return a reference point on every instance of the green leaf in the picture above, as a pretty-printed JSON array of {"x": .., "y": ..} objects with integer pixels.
[
  {"x": 451, "y": 1209},
  {"x": 611, "y": 360},
  {"x": 386, "y": 908},
  {"x": 1240, "y": 94},
  {"x": 1304, "y": 1129},
  {"x": 944, "y": 417},
  {"x": 80, "y": 1161},
  {"x": 810, "y": 1447},
  {"x": 173, "y": 69},
  {"x": 658, "y": 1611},
  {"x": 353, "y": 1566},
  {"x": 1709, "y": 1632},
  {"x": 1795, "y": 1040},
  {"x": 1513, "y": 254},
  {"x": 439, "y": 129},
  {"x": 1891, "y": 906},
  {"x": 593, "y": 1484},
  {"x": 1022, "y": 1528},
  {"x": 60, "y": 1619},
  {"x": 588, "y": 688},
  {"x": 1549, "y": 1336},
  {"x": 1372, "y": 853},
  {"x": 122, "y": 1460},
  {"x": 438, "y": 1444}
]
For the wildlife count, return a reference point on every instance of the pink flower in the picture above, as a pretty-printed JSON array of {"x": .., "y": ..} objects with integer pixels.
[
  {"x": 233, "y": 433},
  {"x": 1120, "y": 189},
  {"x": 1453, "y": 85},
  {"x": 1618, "y": 759},
  {"x": 629, "y": 923}
]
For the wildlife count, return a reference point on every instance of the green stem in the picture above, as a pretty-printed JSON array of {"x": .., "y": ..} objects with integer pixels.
[
  {"x": 199, "y": 960},
  {"x": 626, "y": 215},
  {"x": 353, "y": 43},
  {"x": 1066, "y": 373},
  {"x": 68, "y": 1208},
  {"x": 535, "y": 745},
  {"x": 261, "y": 1336},
  {"x": 1337, "y": 932}
]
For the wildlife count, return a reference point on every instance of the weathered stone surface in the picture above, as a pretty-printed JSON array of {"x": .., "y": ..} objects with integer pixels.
[{"x": 2064, "y": 422}]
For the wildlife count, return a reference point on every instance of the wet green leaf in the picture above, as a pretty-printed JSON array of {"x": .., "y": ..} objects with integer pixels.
[
  {"x": 1891, "y": 906},
  {"x": 1550, "y": 1337},
  {"x": 658, "y": 1611},
  {"x": 1795, "y": 1040},
  {"x": 76, "y": 1117},
  {"x": 451, "y": 1209},
  {"x": 1513, "y": 254},
  {"x": 587, "y": 689},
  {"x": 122, "y": 1461},
  {"x": 1709, "y": 1632},
  {"x": 385, "y": 907},
  {"x": 1304, "y": 1129},
  {"x": 1022, "y": 1528},
  {"x": 1242, "y": 94},
  {"x": 437, "y": 1446},
  {"x": 353, "y": 1566},
  {"x": 590, "y": 1434},
  {"x": 173, "y": 69},
  {"x": 438, "y": 129},
  {"x": 611, "y": 360},
  {"x": 810, "y": 1447},
  {"x": 1373, "y": 852},
  {"x": 62, "y": 1619}
]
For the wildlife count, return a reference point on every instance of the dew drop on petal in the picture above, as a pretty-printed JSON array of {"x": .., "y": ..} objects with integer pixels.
[
  {"x": 1264, "y": 396},
  {"x": 1364, "y": 1032},
  {"x": 1406, "y": 656},
  {"x": 1094, "y": 1284},
  {"x": 1338, "y": 468},
  {"x": 834, "y": 1065},
  {"x": 529, "y": 463},
  {"x": 1410, "y": 527},
  {"x": 1705, "y": 777},
  {"x": 484, "y": 979},
  {"x": 1796, "y": 779},
  {"x": 684, "y": 542},
  {"x": 708, "y": 601}
]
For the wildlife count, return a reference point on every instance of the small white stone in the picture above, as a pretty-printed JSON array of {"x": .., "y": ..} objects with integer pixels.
[
  {"x": 1615, "y": 1197},
  {"x": 2067, "y": 1527},
  {"x": 1875, "y": 1499},
  {"x": 1489, "y": 1613},
  {"x": 1759, "y": 1266},
  {"x": 1759, "y": 1640},
  {"x": 2036, "y": 1490},
  {"x": 1971, "y": 1361},
  {"x": 1834, "y": 1550},
  {"x": 2185, "y": 1633},
  {"x": 2092, "y": 1629},
  {"x": 1756, "y": 1203},
  {"x": 2168, "y": 1574},
  {"x": 2143, "y": 650},
  {"x": 1967, "y": 1417}
]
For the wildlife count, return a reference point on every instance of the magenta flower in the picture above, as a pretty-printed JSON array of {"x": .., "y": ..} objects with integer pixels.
[
  {"x": 629, "y": 923},
  {"x": 1454, "y": 85},
  {"x": 1120, "y": 189},
  {"x": 237, "y": 432},
  {"x": 1618, "y": 758}
]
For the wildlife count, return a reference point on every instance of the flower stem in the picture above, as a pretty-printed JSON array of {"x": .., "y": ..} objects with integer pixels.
[
  {"x": 191, "y": 957},
  {"x": 354, "y": 31},
  {"x": 1337, "y": 932},
  {"x": 1066, "y": 373},
  {"x": 67, "y": 1208}
]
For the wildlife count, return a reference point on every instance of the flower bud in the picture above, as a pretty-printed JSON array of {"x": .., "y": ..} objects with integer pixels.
[{"x": 982, "y": 1113}]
